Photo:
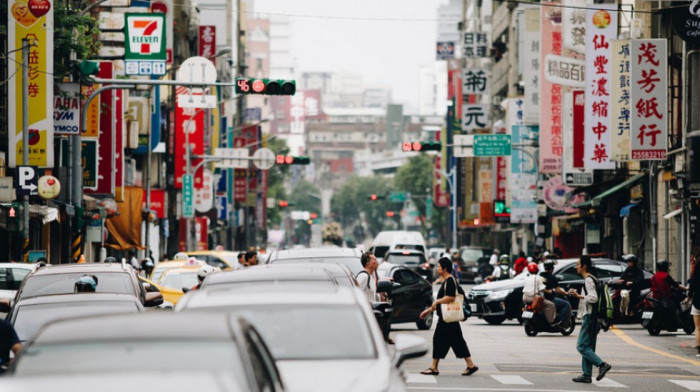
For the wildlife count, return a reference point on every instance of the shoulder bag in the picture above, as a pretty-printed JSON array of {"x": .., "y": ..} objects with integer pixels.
[
  {"x": 453, "y": 312},
  {"x": 537, "y": 300}
]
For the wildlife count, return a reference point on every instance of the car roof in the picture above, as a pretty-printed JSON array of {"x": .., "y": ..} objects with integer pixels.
[
  {"x": 404, "y": 252},
  {"x": 334, "y": 268},
  {"x": 319, "y": 252},
  {"x": 268, "y": 294},
  {"x": 81, "y": 268},
  {"x": 148, "y": 326},
  {"x": 78, "y": 297},
  {"x": 268, "y": 273},
  {"x": 19, "y": 265}
]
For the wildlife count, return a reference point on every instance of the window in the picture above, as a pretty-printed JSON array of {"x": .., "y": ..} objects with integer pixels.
[
  {"x": 608, "y": 270},
  {"x": 569, "y": 273},
  {"x": 405, "y": 277}
]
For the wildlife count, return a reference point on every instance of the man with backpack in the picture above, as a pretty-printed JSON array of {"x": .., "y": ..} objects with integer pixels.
[
  {"x": 588, "y": 301},
  {"x": 367, "y": 278}
]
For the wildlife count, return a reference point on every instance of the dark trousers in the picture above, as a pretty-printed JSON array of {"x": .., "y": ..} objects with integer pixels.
[
  {"x": 563, "y": 308},
  {"x": 449, "y": 335}
]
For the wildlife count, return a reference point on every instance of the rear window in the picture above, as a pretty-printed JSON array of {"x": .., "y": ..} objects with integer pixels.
[
  {"x": 107, "y": 282},
  {"x": 472, "y": 255},
  {"x": 10, "y": 278},
  {"x": 380, "y": 251},
  {"x": 411, "y": 259},
  {"x": 178, "y": 280}
]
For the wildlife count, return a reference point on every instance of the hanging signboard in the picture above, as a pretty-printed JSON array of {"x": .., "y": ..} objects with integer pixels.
[
  {"x": 476, "y": 45},
  {"x": 620, "y": 101},
  {"x": 550, "y": 119},
  {"x": 474, "y": 117},
  {"x": 445, "y": 50},
  {"x": 531, "y": 71},
  {"x": 66, "y": 109},
  {"x": 145, "y": 44},
  {"x": 207, "y": 42},
  {"x": 475, "y": 81},
  {"x": 685, "y": 19}
]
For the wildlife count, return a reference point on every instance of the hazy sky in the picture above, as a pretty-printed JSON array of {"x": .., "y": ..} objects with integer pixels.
[{"x": 335, "y": 35}]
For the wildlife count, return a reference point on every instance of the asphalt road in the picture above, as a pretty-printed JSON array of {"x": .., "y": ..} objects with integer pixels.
[{"x": 508, "y": 360}]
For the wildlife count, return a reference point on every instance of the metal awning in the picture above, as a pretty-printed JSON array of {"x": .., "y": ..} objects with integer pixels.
[
  {"x": 625, "y": 211},
  {"x": 594, "y": 202}
]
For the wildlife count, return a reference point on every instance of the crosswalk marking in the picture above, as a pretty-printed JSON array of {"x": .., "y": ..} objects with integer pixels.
[
  {"x": 608, "y": 383},
  {"x": 420, "y": 379},
  {"x": 511, "y": 380},
  {"x": 689, "y": 385}
]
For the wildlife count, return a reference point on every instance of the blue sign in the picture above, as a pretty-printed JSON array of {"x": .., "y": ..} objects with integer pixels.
[{"x": 222, "y": 207}]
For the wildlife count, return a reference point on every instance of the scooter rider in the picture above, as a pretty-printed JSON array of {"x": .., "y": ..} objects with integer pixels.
[
  {"x": 563, "y": 307},
  {"x": 633, "y": 278},
  {"x": 662, "y": 285}
]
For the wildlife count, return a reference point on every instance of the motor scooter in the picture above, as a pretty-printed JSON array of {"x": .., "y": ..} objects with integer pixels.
[
  {"x": 534, "y": 322},
  {"x": 636, "y": 304},
  {"x": 666, "y": 315}
]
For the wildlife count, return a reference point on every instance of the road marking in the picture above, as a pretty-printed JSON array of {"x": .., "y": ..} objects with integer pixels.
[
  {"x": 420, "y": 379},
  {"x": 689, "y": 385},
  {"x": 632, "y": 342},
  {"x": 608, "y": 383},
  {"x": 511, "y": 380}
]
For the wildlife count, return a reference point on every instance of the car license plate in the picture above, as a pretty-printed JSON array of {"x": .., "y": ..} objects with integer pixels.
[
  {"x": 647, "y": 315},
  {"x": 527, "y": 315},
  {"x": 472, "y": 307}
]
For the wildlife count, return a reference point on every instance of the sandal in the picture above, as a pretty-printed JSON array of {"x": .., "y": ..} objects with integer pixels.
[
  {"x": 430, "y": 372},
  {"x": 470, "y": 370}
]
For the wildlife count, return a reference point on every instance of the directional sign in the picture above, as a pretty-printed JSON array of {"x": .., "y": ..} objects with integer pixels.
[
  {"x": 187, "y": 196},
  {"x": 264, "y": 158},
  {"x": 491, "y": 145},
  {"x": 26, "y": 180},
  {"x": 397, "y": 197},
  {"x": 234, "y": 158}
]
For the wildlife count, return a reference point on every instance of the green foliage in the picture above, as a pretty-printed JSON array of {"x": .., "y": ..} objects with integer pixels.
[
  {"x": 73, "y": 33},
  {"x": 350, "y": 203}
]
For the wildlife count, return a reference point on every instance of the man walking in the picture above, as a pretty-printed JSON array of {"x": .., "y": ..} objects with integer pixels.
[{"x": 585, "y": 345}]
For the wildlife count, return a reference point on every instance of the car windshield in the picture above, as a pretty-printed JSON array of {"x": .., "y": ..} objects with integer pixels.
[
  {"x": 318, "y": 332},
  {"x": 131, "y": 356},
  {"x": 471, "y": 254},
  {"x": 178, "y": 280},
  {"x": 29, "y": 318},
  {"x": 413, "y": 259},
  {"x": 159, "y": 271},
  {"x": 10, "y": 278},
  {"x": 353, "y": 263},
  {"x": 107, "y": 282}
]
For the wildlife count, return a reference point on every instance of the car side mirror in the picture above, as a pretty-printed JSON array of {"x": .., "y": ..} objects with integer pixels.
[
  {"x": 384, "y": 286},
  {"x": 396, "y": 285},
  {"x": 153, "y": 299},
  {"x": 407, "y": 347},
  {"x": 5, "y": 305},
  {"x": 146, "y": 285}
]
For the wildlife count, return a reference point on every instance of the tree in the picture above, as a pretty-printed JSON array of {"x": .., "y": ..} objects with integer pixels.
[
  {"x": 73, "y": 33},
  {"x": 350, "y": 203}
]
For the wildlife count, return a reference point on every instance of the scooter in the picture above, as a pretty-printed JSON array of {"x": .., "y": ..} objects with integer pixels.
[
  {"x": 535, "y": 322},
  {"x": 666, "y": 315},
  {"x": 635, "y": 307}
]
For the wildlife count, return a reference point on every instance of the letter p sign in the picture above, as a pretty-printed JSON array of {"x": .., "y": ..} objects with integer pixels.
[{"x": 26, "y": 180}]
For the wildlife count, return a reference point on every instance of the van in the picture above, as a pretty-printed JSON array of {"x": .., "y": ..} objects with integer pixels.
[{"x": 387, "y": 241}]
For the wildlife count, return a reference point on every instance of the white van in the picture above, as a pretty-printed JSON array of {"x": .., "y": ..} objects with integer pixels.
[{"x": 387, "y": 241}]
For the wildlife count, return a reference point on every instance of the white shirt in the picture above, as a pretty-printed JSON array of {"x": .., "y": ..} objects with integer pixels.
[
  {"x": 591, "y": 297},
  {"x": 533, "y": 285},
  {"x": 368, "y": 285},
  {"x": 494, "y": 259}
]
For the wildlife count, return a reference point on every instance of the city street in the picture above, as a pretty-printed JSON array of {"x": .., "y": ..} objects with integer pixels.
[{"x": 508, "y": 360}]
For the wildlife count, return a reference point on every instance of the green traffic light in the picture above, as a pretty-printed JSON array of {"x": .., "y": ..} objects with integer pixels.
[
  {"x": 265, "y": 86},
  {"x": 89, "y": 67}
]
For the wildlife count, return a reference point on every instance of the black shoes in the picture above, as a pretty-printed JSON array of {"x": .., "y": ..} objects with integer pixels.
[
  {"x": 604, "y": 368},
  {"x": 583, "y": 379}
]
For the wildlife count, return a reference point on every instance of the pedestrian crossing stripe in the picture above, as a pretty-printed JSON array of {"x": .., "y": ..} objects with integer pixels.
[
  {"x": 511, "y": 380},
  {"x": 687, "y": 384}
]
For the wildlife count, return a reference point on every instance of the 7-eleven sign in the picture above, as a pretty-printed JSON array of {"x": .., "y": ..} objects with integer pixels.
[{"x": 145, "y": 36}]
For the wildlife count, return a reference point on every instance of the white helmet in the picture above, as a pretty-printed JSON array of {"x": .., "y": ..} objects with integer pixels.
[
  {"x": 180, "y": 256},
  {"x": 205, "y": 270}
]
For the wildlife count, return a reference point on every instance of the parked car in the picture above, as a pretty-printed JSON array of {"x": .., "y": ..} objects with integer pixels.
[
  {"x": 11, "y": 276},
  {"x": 28, "y": 315},
  {"x": 161, "y": 343},
  {"x": 321, "y": 337},
  {"x": 472, "y": 257},
  {"x": 409, "y": 296},
  {"x": 347, "y": 256},
  {"x": 413, "y": 259},
  {"x": 500, "y": 300},
  {"x": 117, "y": 278},
  {"x": 340, "y": 272}
]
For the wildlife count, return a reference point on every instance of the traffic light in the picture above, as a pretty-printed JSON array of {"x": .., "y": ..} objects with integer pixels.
[
  {"x": 375, "y": 196},
  {"x": 284, "y": 203},
  {"x": 390, "y": 214},
  {"x": 421, "y": 146},
  {"x": 12, "y": 214},
  {"x": 501, "y": 213},
  {"x": 265, "y": 86},
  {"x": 290, "y": 160}
]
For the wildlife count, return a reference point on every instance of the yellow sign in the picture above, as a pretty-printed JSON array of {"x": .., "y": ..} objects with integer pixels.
[
  {"x": 92, "y": 116},
  {"x": 33, "y": 21}
]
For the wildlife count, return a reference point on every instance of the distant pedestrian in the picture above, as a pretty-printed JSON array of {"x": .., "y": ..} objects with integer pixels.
[
  {"x": 520, "y": 263},
  {"x": 241, "y": 260},
  {"x": 367, "y": 278},
  {"x": 493, "y": 260},
  {"x": 457, "y": 266},
  {"x": 694, "y": 296},
  {"x": 585, "y": 345},
  {"x": 447, "y": 335}
]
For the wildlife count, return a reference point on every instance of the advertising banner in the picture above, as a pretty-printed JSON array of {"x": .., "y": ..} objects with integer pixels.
[
  {"x": 574, "y": 26},
  {"x": 523, "y": 176},
  {"x": 166, "y": 7},
  {"x": 204, "y": 196},
  {"x": 207, "y": 42},
  {"x": 157, "y": 202},
  {"x": 105, "y": 151},
  {"x": 475, "y": 117},
  {"x": 574, "y": 101},
  {"x": 32, "y": 20},
  {"x": 649, "y": 95},
  {"x": 445, "y": 50},
  {"x": 188, "y": 120},
  {"x": 66, "y": 109},
  {"x": 531, "y": 70},
  {"x": 119, "y": 140},
  {"x": 550, "y": 119},
  {"x": 476, "y": 45},
  {"x": 620, "y": 101},
  {"x": 245, "y": 181},
  {"x": 601, "y": 29},
  {"x": 92, "y": 115}
]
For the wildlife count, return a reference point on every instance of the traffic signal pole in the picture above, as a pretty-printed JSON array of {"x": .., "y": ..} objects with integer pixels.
[{"x": 25, "y": 141}]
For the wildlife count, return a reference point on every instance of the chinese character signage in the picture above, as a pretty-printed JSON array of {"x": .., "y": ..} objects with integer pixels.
[
  {"x": 620, "y": 101},
  {"x": 192, "y": 121},
  {"x": 648, "y": 80},
  {"x": 550, "y": 119},
  {"x": 32, "y": 20},
  {"x": 601, "y": 29},
  {"x": 145, "y": 44},
  {"x": 474, "y": 81},
  {"x": 531, "y": 71},
  {"x": 474, "y": 117},
  {"x": 565, "y": 71},
  {"x": 166, "y": 7},
  {"x": 523, "y": 176},
  {"x": 476, "y": 45},
  {"x": 572, "y": 119},
  {"x": 207, "y": 42},
  {"x": 445, "y": 50},
  {"x": 574, "y": 26}
]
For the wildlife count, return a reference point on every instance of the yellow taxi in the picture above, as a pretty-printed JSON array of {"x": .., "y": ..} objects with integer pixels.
[
  {"x": 163, "y": 266},
  {"x": 169, "y": 295},
  {"x": 223, "y": 259}
]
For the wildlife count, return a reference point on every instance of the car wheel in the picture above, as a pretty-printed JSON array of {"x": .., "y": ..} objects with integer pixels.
[
  {"x": 426, "y": 323},
  {"x": 495, "y": 320}
]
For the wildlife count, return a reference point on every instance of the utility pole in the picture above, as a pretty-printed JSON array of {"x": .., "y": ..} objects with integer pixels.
[
  {"x": 240, "y": 71},
  {"x": 25, "y": 140}
]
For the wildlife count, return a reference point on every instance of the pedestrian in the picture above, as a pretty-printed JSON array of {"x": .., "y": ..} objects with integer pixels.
[
  {"x": 251, "y": 258},
  {"x": 134, "y": 261},
  {"x": 520, "y": 263},
  {"x": 694, "y": 296},
  {"x": 447, "y": 335},
  {"x": 367, "y": 278},
  {"x": 9, "y": 341},
  {"x": 493, "y": 260},
  {"x": 585, "y": 345},
  {"x": 241, "y": 260}
]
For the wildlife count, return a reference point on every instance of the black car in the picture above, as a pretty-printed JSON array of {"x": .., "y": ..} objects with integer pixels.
[
  {"x": 413, "y": 259},
  {"x": 500, "y": 300},
  {"x": 410, "y": 295},
  {"x": 472, "y": 257}
]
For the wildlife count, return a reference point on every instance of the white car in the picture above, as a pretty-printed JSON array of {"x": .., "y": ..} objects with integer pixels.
[
  {"x": 323, "y": 337},
  {"x": 11, "y": 276}
]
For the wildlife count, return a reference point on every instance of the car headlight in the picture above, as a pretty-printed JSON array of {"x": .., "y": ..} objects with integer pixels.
[{"x": 499, "y": 295}]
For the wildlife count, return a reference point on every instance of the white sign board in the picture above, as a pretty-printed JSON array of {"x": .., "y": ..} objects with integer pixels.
[
  {"x": 234, "y": 158},
  {"x": 6, "y": 190},
  {"x": 66, "y": 109}
]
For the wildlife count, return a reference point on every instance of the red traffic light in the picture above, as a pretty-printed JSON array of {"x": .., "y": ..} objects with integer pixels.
[
  {"x": 258, "y": 86},
  {"x": 417, "y": 146},
  {"x": 373, "y": 197},
  {"x": 390, "y": 213},
  {"x": 313, "y": 215},
  {"x": 283, "y": 203},
  {"x": 12, "y": 213}
]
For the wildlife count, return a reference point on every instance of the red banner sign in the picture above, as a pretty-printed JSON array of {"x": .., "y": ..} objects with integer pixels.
[
  {"x": 191, "y": 120},
  {"x": 207, "y": 42}
]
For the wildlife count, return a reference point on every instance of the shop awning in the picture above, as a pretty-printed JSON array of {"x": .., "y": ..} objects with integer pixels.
[
  {"x": 46, "y": 213},
  {"x": 625, "y": 211},
  {"x": 594, "y": 202}
]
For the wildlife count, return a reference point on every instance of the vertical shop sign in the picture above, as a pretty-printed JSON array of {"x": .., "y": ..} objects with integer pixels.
[
  {"x": 620, "y": 101},
  {"x": 550, "y": 129},
  {"x": 649, "y": 94},
  {"x": 207, "y": 42},
  {"x": 531, "y": 71},
  {"x": 189, "y": 120},
  {"x": 105, "y": 151}
]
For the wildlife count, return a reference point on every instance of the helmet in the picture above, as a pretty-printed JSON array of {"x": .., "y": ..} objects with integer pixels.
[
  {"x": 545, "y": 254},
  {"x": 86, "y": 284},
  {"x": 630, "y": 258},
  {"x": 529, "y": 259},
  {"x": 180, "y": 256},
  {"x": 205, "y": 270},
  {"x": 111, "y": 259},
  {"x": 663, "y": 265},
  {"x": 533, "y": 268},
  {"x": 504, "y": 259},
  {"x": 549, "y": 264}
]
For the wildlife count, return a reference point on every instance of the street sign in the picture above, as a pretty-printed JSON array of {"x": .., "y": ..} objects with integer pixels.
[
  {"x": 26, "y": 180},
  {"x": 397, "y": 197},
  {"x": 234, "y": 158},
  {"x": 491, "y": 145},
  {"x": 463, "y": 146},
  {"x": 264, "y": 158},
  {"x": 145, "y": 44},
  {"x": 187, "y": 196}
]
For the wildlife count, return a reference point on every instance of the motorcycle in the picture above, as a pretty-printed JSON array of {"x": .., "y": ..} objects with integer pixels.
[
  {"x": 666, "y": 315},
  {"x": 535, "y": 322},
  {"x": 635, "y": 307}
]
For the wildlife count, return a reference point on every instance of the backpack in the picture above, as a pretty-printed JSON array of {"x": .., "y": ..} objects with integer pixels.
[
  {"x": 369, "y": 277},
  {"x": 602, "y": 316}
]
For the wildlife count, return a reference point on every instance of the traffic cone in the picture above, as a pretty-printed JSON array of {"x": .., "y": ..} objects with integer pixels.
[{"x": 81, "y": 260}]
